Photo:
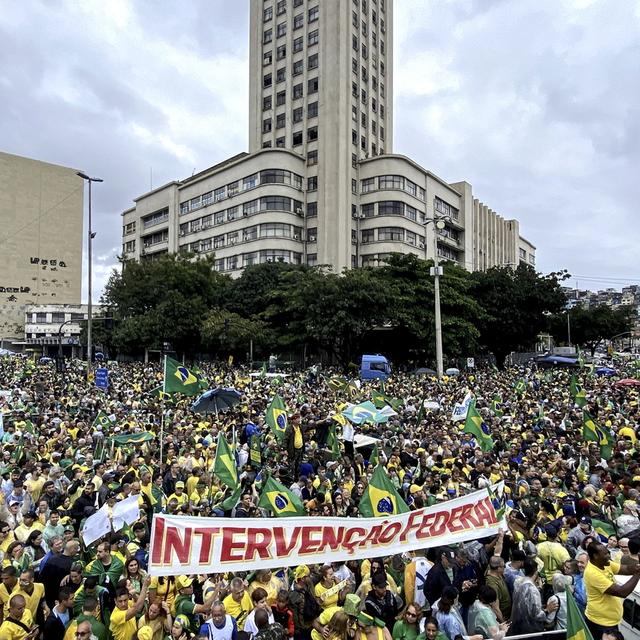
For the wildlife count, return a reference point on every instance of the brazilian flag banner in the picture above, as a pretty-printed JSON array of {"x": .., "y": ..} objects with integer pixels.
[
  {"x": 102, "y": 420},
  {"x": 277, "y": 417},
  {"x": 132, "y": 438},
  {"x": 380, "y": 498},
  {"x": 576, "y": 626},
  {"x": 224, "y": 466},
  {"x": 478, "y": 428},
  {"x": 279, "y": 500},
  {"x": 179, "y": 379}
]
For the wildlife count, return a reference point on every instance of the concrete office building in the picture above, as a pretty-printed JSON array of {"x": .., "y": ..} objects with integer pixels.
[
  {"x": 41, "y": 208},
  {"x": 320, "y": 183}
]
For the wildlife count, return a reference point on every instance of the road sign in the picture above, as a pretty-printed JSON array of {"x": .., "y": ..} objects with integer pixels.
[
  {"x": 102, "y": 378},
  {"x": 471, "y": 363}
]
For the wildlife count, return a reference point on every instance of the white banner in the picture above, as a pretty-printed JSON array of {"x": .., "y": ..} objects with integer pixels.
[
  {"x": 192, "y": 545},
  {"x": 460, "y": 409}
]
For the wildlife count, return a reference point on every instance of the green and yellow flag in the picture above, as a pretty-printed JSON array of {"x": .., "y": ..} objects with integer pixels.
[
  {"x": 179, "y": 379},
  {"x": 478, "y": 428},
  {"x": 496, "y": 406},
  {"x": 232, "y": 500},
  {"x": 576, "y": 626},
  {"x": 374, "y": 458},
  {"x": 102, "y": 419},
  {"x": 332, "y": 441},
  {"x": 277, "y": 417},
  {"x": 278, "y": 499},
  {"x": 380, "y": 498},
  {"x": 591, "y": 432},
  {"x": 578, "y": 394},
  {"x": 255, "y": 455},
  {"x": 520, "y": 386},
  {"x": 224, "y": 466}
]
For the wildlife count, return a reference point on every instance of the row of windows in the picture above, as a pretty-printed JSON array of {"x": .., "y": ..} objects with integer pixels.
[
  {"x": 313, "y": 15},
  {"x": 158, "y": 217},
  {"x": 267, "y": 176},
  {"x": 391, "y": 208},
  {"x": 156, "y": 238},
  {"x": 392, "y": 182},
  {"x": 313, "y": 37},
  {"x": 392, "y": 234},
  {"x": 255, "y": 232},
  {"x": 232, "y": 263},
  {"x": 57, "y": 317},
  {"x": 298, "y": 89},
  {"x": 445, "y": 209},
  {"x": 129, "y": 247},
  {"x": 267, "y": 203},
  {"x": 297, "y": 66},
  {"x": 129, "y": 228}
]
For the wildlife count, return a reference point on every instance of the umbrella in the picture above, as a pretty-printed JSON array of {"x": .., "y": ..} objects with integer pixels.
[
  {"x": 627, "y": 382},
  {"x": 605, "y": 371},
  {"x": 424, "y": 371},
  {"x": 216, "y": 400}
]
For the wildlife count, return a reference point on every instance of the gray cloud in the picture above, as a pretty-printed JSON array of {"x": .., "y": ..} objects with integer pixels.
[{"x": 535, "y": 104}]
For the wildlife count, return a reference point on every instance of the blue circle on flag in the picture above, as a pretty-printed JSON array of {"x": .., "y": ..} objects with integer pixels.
[
  {"x": 281, "y": 421},
  {"x": 485, "y": 429},
  {"x": 183, "y": 372},
  {"x": 384, "y": 505},
  {"x": 281, "y": 502}
]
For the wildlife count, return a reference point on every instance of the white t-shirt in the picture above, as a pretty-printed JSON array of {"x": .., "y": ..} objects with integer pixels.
[{"x": 250, "y": 623}]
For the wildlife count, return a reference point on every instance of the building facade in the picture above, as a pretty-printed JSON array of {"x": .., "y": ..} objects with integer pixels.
[
  {"x": 320, "y": 184},
  {"x": 41, "y": 208}
]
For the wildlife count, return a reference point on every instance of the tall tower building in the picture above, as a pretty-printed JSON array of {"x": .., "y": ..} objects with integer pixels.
[
  {"x": 320, "y": 184},
  {"x": 322, "y": 85}
]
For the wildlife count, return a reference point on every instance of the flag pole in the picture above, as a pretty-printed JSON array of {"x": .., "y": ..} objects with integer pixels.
[{"x": 164, "y": 390}]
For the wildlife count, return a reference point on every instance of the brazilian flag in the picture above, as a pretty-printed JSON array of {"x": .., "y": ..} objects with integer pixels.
[
  {"x": 179, "y": 379},
  {"x": 478, "y": 428},
  {"x": 224, "y": 466},
  {"x": 278, "y": 499},
  {"x": 232, "y": 500},
  {"x": 577, "y": 392},
  {"x": 380, "y": 498},
  {"x": 102, "y": 419},
  {"x": 591, "y": 432},
  {"x": 520, "y": 386},
  {"x": 332, "y": 441},
  {"x": 277, "y": 417},
  {"x": 576, "y": 626},
  {"x": 255, "y": 454},
  {"x": 496, "y": 405},
  {"x": 374, "y": 458},
  {"x": 604, "y": 529}
]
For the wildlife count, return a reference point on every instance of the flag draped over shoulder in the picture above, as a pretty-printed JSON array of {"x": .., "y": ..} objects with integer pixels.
[
  {"x": 591, "y": 432},
  {"x": 478, "y": 428},
  {"x": 380, "y": 498},
  {"x": 604, "y": 529},
  {"x": 576, "y": 626},
  {"x": 278, "y": 499},
  {"x": 224, "y": 466},
  {"x": 277, "y": 417},
  {"x": 179, "y": 379}
]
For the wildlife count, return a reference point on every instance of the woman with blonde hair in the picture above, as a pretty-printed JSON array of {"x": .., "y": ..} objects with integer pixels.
[{"x": 408, "y": 625}]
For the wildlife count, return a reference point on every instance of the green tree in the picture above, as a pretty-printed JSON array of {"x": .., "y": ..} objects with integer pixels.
[
  {"x": 516, "y": 304},
  {"x": 589, "y": 327},
  {"x": 163, "y": 300},
  {"x": 228, "y": 332}
]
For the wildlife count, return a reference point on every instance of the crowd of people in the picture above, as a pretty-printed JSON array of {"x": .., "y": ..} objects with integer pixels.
[{"x": 572, "y": 518}]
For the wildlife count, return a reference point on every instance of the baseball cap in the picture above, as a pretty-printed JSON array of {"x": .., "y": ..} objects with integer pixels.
[
  {"x": 585, "y": 520},
  {"x": 182, "y": 582},
  {"x": 302, "y": 571},
  {"x": 630, "y": 504},
  {"x": 179, "y": 484}
]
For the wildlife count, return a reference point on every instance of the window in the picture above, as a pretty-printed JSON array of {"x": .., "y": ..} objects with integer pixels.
[
  {"x": 312, "y": 158},
  {"x": 249, "y": 259},
  {"x": 314, "y": 14},
  {"x": 298, "y": 91},
  {"x": 281, "y": 30},
  {"x": 354, "y": 19},
  {"x": 410, "y": 187},
  {"x": 312, "y": 61},
  {"x": 394, "y": 234},
  {"x": 250, "y": 233},
  {"x": 354, "y": 89},
  {"x": 232, "y": 213},
  {"x": 365, "y": 51},
  {"x": 266, "y": 103},
  {"x": 363, "y": 94},
  {"x": 218, "y": 241},
  {"x": 523, "y": 254},
  {"x": 368, "y": 210},
  {"x": 312, "y": 134},
  {"x": 266, "y": 145},
  {"x": 250, "y": 181},
  {"x": 382, "y": 69},
  {"x": 298, "y": 67},
  {"x": 219, "y": 217},
  {"x": 313, "y": 37},
  {"x": 421, "y": 193},
  {"x": 267, "y": 14},
  {"x": 275, "y": 230},
  {"x": 382, "y": 47},
  {"x": 367, "y": 236},
  {"x": 368, "y": 184},
  {"x": 280, "y": 118},
  {"x": 296, "y": 181},
  {"x": 354, "y": 160},
  {"x": 220, "y": 194},
  {"x": 390, "y": 208},
  {"x": 382, "y": 94},
  {"x": 373, "y": 149},
  {"x": 363, "y": 143},
  {"x": 297, "y": 3},
  {"x": 312, "y": 183},
  {"x": 354, "y": 185},
  {"x": 446, "y": 209},
  {"x": 381, "y": 133},
  {"x": 354, "y": 43},
  {"x": 297, "y": 138},
  {"x": 312, "y": 110},
  {"x": 232, "y": 189},
  {"x": 364, "y": 29},
  {"x": 267, "y": 81},
  {"x": 354, "y": 136},
  {"x": 267, "y": 58},
  {"x": 280, "y": 143},
  {"x": 312, "y": 209},
  {"x": 298, "y": 44},
  {"x": 298, "y": 21},
  {"x": 382, "y": 111},
  {"x": 365, "y": 74},
  {"x": 374, "y": 127},
  {"x": 410, "y": 212},
  {"x": 297, "y": 114},
  {"x": 275, "y": 203},
  {"x": 266, "y": 125},
  {"x": 232, "y": 263},
  {"x": 391, "y": 182},
  {"x": 280, "y": 75},
  {"x": 312, "y": 85},
  {"x": 267, "y": 36},
  {"x": 281, "y": 7},
  {"x": 130, "y": 228},
  {"x": 250, "y": 207},
  {"x": 281, "y": 52},
  {"x": 129, "y": 246},
  {"x": 275, "y": 176},
  {"x": 312, "y": 259},
  {"x": 281, "y": 98},
  {"x": 363, "y": 119},
  {"x": 354, "y": 113}
]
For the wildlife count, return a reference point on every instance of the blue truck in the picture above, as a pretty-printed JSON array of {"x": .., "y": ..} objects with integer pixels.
[{"x": 374, "y": 367}]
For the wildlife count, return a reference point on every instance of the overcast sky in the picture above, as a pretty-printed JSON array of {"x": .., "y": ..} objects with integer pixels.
[{"x": 536, "y": 104}]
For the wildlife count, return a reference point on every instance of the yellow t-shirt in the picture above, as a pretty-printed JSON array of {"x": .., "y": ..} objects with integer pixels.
[
  {"x": 11, "y": 631},
  {"x": 602, "y": 609},
  {"x": 34, "y": 487},
  {"x": 298, "y": 443},
  {"x": 553, "y": 555},
  {"x": 32, "y": 600},
  {"x": 324, "y": 618},
  {"x": 122, "y": 629},
  {"x": 329, "y": 601},
  {"x": 4, "y": 597},
  {"x": 239, "y": 610}
]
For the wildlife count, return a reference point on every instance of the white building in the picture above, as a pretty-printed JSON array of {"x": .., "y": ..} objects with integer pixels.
[{"x": 320, "y": 184}]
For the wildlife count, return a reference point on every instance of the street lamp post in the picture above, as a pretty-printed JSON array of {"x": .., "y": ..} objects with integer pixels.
[
  {"x": 90, "y": 237},
  {"x": 436, "y": 272}
]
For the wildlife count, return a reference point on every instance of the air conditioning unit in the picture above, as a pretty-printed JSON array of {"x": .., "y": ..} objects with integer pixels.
[
  {"x": 296, "y": 236},
  {"x": 183, "y": 233},
  {"x": 422, "y": 245}
]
